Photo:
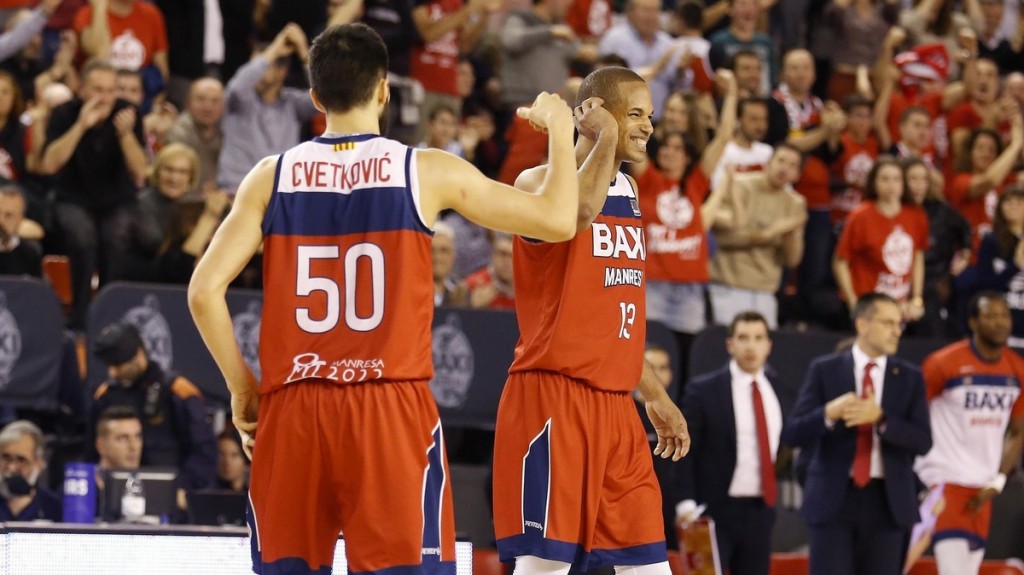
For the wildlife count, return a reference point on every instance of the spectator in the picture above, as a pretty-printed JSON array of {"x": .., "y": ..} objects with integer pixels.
[
  {"x": 748, "y": 67},
  {"x": 860, "y": 150},
  {"x": 199, "y": 128},
  {"x": 492, "y": 287},
  {"x": 197, "y": 46},
  {"x": 95, "y": 145},
  {"x": 22, "y": 460},
  {"x": 983, "y": 109},
  {"x": 743, "y": 35},
  {"x": 22, "y": 41},
  {"x": 171, "y": 408},
  {"x": 447, "y": 291},
  {"x": 860, "y": 27},
  {"x": 192, "y": 225},
  {"x": 262, "y": 116},
  {"x": 232, "y": 465},
  {"x": 130, "y": 34},
  {"x": 681, "y": 114},
  {"x": 882, "y": 246},
  {"x": 393, "y": 21},
  {"x": 441, "y": 132},
  {"x": 863, "y": 416},
  {"x": 17, "y": 256},
  {"x": 977, "y": 440},
  {"x": 1001, "y": 257},
  {"x": 914, "y": 137},
  {"x": 642, "y": 42},
  {"x": 589, "y": 19},
  {"x": 746, "y": 150},
  {"x": 936, "y": 21},
  {"x": 948, "y": 253},
  {"x": 130, "y": 87},
  {"x": 747, "y": 269},
  {"x": 446, "y": 29},
  {"x": 982, "y": 174},
  {"x": 536, "y": 51},
  {"x": 30, "y": 68},
  {"x": 802, "y": 120},
  {"x": 13, "y": 157},
  {"x": 677, "y": 213},
  {"x": 735, "y": 416},
  {"x": 993, "y": 45}
]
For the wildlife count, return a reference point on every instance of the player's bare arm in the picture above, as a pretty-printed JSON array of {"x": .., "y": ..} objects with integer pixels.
[
  {"x": 665, "y": 416},
  {"x": 546, "y": 212},
  {"x": 599, "y": 136},
  {"x": 230, "y": 250}
]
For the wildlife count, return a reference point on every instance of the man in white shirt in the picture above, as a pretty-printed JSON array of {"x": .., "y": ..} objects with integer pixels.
[
  {"x": 735, "y": 418},
  {"x": 746, "y": 152}
]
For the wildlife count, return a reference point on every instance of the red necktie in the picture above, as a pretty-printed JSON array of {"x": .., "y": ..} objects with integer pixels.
[
  {"x": 764, "y": 449},
  {"x": 865, "y": 436}
]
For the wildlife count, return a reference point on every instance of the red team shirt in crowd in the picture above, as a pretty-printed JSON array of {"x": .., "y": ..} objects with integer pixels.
[
  {"x": 346, "y": 313},
  {"x": 594, "y": 280},
  {"x": 589, "y": 18},
  {"x": 880, "y": 250},
  {"x": 133, "y": 38},
  {"x": 978, "y": 211},
  {"x": 677, "y": 250},
  {"x": 485, "y": 277},
  {"x": 852, "y": 168},
  {"x": 434, "y": 63},
  {"x": 932, "y": 102}
]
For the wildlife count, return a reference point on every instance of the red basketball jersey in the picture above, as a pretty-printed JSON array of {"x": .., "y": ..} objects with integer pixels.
[
  {"x": 580, "y": 304},
  {"x": 348, "y": 289}
]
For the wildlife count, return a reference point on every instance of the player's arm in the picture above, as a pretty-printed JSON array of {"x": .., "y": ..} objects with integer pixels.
[
  {"x": 668, "y": 421},
  {"x": 547, "y": 212},
  {"x": 599, "y": 136},
  {"x": 230, "y": 250}
]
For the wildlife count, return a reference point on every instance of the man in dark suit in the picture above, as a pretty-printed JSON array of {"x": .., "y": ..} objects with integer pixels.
[
  {"x": 735, "y": 416},
  {"x": 863, "y": 415}
]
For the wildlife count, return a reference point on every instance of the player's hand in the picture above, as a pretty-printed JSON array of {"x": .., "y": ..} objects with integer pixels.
[
  {"x": 547, "y": 110},
  {"x": 245, "y": 407},
  {"x": 974, "y": 504},
  {"x": 670, "y": 425},
  {"x": 862, "y": 411},
  {"x": 592, "y": 119}
]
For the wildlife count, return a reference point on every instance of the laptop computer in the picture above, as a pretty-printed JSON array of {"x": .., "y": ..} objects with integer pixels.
[{"x": 160, "y": 487}]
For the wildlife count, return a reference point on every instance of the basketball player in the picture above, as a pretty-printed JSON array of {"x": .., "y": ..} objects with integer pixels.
[
  {"x": 571, "y": 462},
  {"x": 977, "y": 415},
  {"x": 349, "y": 436}
]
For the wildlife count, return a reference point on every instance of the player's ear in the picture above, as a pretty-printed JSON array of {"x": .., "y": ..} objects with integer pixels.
[
  {"x": 316, "y": 101},
  {"x": 383, "y": 92}
]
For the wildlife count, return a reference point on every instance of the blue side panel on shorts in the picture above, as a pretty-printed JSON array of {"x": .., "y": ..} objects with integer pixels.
[
  {"x": 638, "y": 555},
  {"x": 433, "y": 494},
  {"x": 438, "y": 568},
  {"x": 537, "y": 483},
  {"x": 974, "y": 541},
  {"x": 286, "y": 566}
]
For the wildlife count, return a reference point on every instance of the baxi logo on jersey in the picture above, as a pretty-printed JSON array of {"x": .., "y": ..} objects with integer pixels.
[
  {"x": 154, "y": 330},
  {"x": 247, "y": 333},
  {"x": 619, "y": 242},
  {"x": 453, "y": 363},
  {"x": 10, "y": 342}
]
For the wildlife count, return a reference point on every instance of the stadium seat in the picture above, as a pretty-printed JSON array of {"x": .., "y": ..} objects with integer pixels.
[{"x": 485, "y": 562}]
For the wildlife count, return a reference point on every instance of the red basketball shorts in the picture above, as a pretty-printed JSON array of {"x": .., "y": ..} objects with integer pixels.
[
  {"x": 957, "y": 521},
  {"x": 367, "y": 460},
  {"x": 573, "y": 475}
]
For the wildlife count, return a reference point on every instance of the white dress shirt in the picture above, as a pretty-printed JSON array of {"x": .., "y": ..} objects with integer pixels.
[
  {"x": 860, "y": 361},
  {"x": 746, "y": 477}
]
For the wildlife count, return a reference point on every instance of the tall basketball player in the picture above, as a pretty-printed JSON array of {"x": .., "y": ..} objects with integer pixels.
[
  {"x": 349, "y": 437},
  {"x": 570, "y": 452}
]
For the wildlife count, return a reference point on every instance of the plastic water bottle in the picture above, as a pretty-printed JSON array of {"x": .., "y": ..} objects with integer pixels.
[{"x": 133, "y": 502}]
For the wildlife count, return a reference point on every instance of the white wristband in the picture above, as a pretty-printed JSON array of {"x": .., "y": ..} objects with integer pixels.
[{"x": 998, "y": 482}]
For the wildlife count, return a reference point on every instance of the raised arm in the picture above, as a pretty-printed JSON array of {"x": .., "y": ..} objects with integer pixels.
[
  {"x": 545, "y": 210},
  {"x": 96, "y": 36},
  {"x": 1000, "y": 168},
  {"x": 726, "y": 122}
]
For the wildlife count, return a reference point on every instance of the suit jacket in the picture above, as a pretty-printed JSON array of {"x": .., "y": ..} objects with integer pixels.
[
  {"x": 906, "y": 434},
  {"x": 706, "y": 472}
]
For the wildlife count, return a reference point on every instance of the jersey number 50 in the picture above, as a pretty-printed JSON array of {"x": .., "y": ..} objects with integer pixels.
[{"x": 307, "y": 284}]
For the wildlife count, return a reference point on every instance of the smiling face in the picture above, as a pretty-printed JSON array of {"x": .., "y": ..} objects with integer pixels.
[{"x": 633, "y": 113}]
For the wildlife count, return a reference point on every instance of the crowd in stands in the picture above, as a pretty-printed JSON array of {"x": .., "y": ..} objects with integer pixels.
[{"x": 803, "y": 153}]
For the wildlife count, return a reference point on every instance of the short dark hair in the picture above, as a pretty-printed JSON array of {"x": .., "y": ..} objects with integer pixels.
[
  {"x": 915, "y": 110},
  {"x": 787, "y": 146},
  {"x": 608, "y": 60},
  {"x": 115, "y": 413},
  {"x": 857, "y": 101},
  {"x": 964, "y": 154},
  {"x": 691, "y": 13},
  {"x": 345, "y": 64},
  {"x": 741, "y": 106},
  {"x": 865, "y": 306},
  {"x": 97, "y": 65},
  {"x": 744, "y": 53},
  {"x": 604, "y": 83},
  {"x": 748, "y": 317},
  {"x": 441, "y": 109},
  {"x": 974, "y": 305}
]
